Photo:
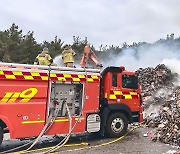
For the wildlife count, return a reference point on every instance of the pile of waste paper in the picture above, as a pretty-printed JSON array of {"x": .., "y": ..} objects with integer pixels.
[
  {"x": 168, "y": 123},
  {"x": 153, "y": 79},
  {"x": 161, "y": 102}
]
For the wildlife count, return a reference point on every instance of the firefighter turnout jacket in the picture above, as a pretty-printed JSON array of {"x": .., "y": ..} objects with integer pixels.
[
  {"x": 43, "y": 59},
  {"x": 68, "y": 56}
]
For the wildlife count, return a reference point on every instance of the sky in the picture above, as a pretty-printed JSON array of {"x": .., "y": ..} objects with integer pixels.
[{"x": 104, "y": 22}]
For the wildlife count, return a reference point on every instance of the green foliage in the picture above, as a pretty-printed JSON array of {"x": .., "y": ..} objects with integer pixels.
[
  {"x": 6, "y": 58},
  {"x": 16, "y": 47},
  {"x": 78, "y": 46}
]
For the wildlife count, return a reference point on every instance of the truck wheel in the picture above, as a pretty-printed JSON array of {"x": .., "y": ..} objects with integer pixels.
[
  {"x": 117, "y": 124},
  {"x": 1, "y": 135}
]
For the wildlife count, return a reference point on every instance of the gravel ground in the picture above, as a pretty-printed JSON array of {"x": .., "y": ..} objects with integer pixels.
[{"x": 134, "y": 143}]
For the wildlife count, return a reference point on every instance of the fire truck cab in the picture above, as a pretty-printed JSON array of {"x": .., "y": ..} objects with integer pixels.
[
  {"x": 120, "y": 100},
  {"x": 61, "y": 100}
]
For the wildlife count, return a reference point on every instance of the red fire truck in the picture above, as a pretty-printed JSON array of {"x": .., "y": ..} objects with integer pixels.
[{"x": 61, "y": 100}]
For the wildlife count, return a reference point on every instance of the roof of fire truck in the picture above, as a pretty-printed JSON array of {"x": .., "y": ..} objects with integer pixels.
[{"x": 46, "y": 69}]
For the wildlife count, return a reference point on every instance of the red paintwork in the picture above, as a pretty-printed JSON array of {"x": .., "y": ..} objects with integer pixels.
[
  {"x": 12, "y": 114},
  {"x": 134, "y": 103}
]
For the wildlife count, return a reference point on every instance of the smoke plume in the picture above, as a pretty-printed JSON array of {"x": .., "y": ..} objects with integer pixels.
[{"x": 147, "y": 56}]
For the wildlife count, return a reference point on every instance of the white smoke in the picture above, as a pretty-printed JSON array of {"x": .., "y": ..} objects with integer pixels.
[
  {"x": 150, "y": 56},
  {"x": 152, "y": 111},
  {"x": 152, "y": 106},
  {"x": 58, "y": 60},
  {"x": 173, "y": 64},
  {"x": 146, "y": 57}
]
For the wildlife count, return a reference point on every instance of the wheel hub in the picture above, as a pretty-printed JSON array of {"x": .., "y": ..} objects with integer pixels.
[{"x": 117, "y": 125}]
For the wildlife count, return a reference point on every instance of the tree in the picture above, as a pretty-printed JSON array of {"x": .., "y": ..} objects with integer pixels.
[
  {"x": 6, "y": 58},
  {"x": 29, "y": 49},
  {"x": 16, "y": 47},
  {"x": 3, "y": 44}
]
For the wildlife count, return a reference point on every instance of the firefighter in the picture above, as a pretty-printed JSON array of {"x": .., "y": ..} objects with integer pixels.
[
  {"x": 43, "y": 58},
  {"x": 68, "y": 56}
]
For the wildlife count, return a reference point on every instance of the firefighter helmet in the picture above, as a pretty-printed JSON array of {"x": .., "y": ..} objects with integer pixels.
[
  {"x": 66, "y": 46},
  {"x": 45, "y": 49}
]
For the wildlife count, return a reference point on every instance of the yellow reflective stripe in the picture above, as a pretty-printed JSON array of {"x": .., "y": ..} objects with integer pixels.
[
  {"x": 90, "y": 80},
  {"x": 1, "y": 73},
  {"x": 41, "y": 121},
  {"x": 67, "y": 75},
  {"x": 32, "y": 122},
  {"x": 44, "y": 77},
  {"x": 65, "y": 120},
  {"x": 76, "y": 79},
  {"x": 27, "y": 77},
  {"x": 133, "y": 93},
  {"x": 53, "y": 75},
  {"x": 112, "y": 96},
  {"x": 117, "y": 92},
  {"x": 35, "y": 74},
  {"x": 10, "y": 77},
  {"x": 127, "y": 96},
  {"x": 82, "y": 118},
  {"x": 94, "y": 76},
  {"x": 81, "y": 76},
  {"x": 61, "y": 120},
  {"x": 61, "y": 79},
  {"x": 17, "y": 73}
]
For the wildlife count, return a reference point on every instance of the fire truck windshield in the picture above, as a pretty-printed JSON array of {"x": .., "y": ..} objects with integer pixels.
[{"x": 129, "y": 81}]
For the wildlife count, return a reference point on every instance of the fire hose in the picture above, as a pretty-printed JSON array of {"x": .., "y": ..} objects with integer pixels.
[
  {"x": 86, "y": 144},
  {"x": 49, "y": 123},
  {"x": 106, "y": 143},
  {"x": 47, "y": 126},
  {"x": 64, "y": 141},
  {"x": 47, "y": 148}
]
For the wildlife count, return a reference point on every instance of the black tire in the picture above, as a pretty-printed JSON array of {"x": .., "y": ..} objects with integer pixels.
[
  {"x": 117, "y": 124},
  {"x": 1, "y": 135}
]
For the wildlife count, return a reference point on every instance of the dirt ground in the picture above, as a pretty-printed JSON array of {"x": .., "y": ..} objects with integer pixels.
[{"x": 133, "y": 143}]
